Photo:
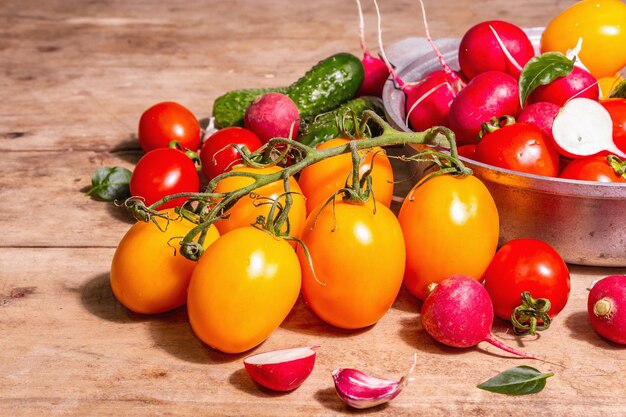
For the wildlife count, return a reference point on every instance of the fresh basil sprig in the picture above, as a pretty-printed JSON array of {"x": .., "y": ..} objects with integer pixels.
[
  {"x": 110, "y": 183},
  {"x": 542, "y": 70},
  {"x": 521, "y": 380}
]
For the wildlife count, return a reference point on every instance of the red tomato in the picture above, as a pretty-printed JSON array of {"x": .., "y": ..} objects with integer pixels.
[
  {"x": 165, "y": 122},
  {"x": 519, "y": 147},
  {"x": 467, "y": 151},
  {"x": 218, "y": 157},
  {"x": 617, "y": 109},
  {"x": 527, "y": 265},
  {"x": 592, "y": 168},
  {"x": 358, "y": 258},
  {"x": 323, "y": 179},
  {"x": 450, "y": 226},
  {"x": 162, "y": 172}
]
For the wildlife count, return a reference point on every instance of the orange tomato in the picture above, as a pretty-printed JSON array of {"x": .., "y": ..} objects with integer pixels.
[
  {"x": 323, "y": 179},
  {"x": 358, "y": 259},
  {"x": 450, "y": 226},
  {"x": 247, "y": 209},
  {"x": 602, "y": 26},
  {"x": 607, "y": 84},
  {"x": 242, "y": 289},
  {"x": 148, "y": 274}
]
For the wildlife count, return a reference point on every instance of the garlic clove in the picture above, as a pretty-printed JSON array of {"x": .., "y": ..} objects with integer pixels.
[{"x": 360, "y": 390}]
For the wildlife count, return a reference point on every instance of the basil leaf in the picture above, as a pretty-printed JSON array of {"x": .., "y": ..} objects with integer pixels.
[
  {"x": 110, "y": 183},
  {"x": 619, "y": 91},
  {"x": 521, "y": 380},
  {"x": 542, "y": 70}
]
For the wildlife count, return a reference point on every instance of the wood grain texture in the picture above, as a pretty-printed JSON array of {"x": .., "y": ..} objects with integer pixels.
[{"x": 75, "y": 77}]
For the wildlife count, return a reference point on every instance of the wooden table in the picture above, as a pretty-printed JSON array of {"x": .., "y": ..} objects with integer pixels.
[{"x": 75, "y": 76}]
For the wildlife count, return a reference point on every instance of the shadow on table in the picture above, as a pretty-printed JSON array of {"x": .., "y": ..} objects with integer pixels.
[
  {"x": 170, "y": 331},
  {"x": 580, "y": 329}
]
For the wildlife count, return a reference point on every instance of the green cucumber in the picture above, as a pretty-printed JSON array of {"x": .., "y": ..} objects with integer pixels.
[
  {"x": 229, "y": 109},
  {"x": 327, "y": 85},
  {"x": 325, "y": 126}
]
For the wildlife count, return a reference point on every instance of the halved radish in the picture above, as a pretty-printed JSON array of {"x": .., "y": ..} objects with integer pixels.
[
  {"x": 281, "y": 370},
  {"x": 583, "y": 127}
]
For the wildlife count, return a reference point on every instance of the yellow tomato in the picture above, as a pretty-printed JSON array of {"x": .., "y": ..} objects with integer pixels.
[
  {"x": 248, "y": 208},
  {"x": 148, "y": 274},
  {"x": 450, "y": 226},
  {"x": 607, "y": 84},
  {"x": 358, "y": 258},
  {"x": 602, "y": 26},
  {"x": 321, "y": 180},
  {"x": 242, "y": 289}
]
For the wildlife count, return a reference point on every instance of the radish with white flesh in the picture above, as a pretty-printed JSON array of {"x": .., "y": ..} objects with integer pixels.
[
  {"x": 578, "y": 84},
  {"x": 281, "y": 370},
  {"x": 606, "y": 306},
  {"x": 584, "y": 127},
  {"x": 273, "y": 115},
  {"x": 494, "y": 45},
  {"x": 428, "y": 100},
  {"x": 359, "y": 390},
  {"x": 376, "y": 72},
  {"x": 459, "y": 313},
  {"x": 540, "y": 114},
  {"x": 490, "y": 94}
]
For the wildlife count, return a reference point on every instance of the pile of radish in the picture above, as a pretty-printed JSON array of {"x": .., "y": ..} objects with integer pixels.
[{"x": 502, "y": 83}]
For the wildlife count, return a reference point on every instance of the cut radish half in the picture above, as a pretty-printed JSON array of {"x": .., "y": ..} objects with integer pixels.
[
  {"x": 583, "y": 127},
  {"x": 281, "y": 370}
]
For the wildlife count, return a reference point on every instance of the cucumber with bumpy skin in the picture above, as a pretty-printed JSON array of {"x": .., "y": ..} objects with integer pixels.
[
  {"x": 325, "y": 126},
  {"x": 227, "y": 108},
  {"x": 327, "y": 85}
]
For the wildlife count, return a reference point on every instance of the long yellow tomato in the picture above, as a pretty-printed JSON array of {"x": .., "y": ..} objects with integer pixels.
[
  {"x": 358, "y": 257},
  {"x": 602, "y": 26},
  {"x": 242, "y": 289},
  {"x": 148, "y": 274},
  {"x": 248, "y": 208},
  {"x": 450, "y": 226},
  {"x": 321, "y": 180}
]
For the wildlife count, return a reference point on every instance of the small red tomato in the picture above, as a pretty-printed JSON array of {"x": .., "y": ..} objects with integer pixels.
[
  {"x": 467, "y": 151},
  {"x": 165, "y": 122},
  {"x": 519, "y": 147},
  {"x": 218, "y": 157},
  {"x": 526, "y": 265},
  {"x": 600, "y": 168},
  {"x": 617, "y": 109},
  {"x": 162, "y": 172}
]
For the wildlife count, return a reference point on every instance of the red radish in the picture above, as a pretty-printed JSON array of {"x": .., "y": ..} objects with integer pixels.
[
  {"x": 281, "y": 370},
  {"x": 359, "y": 390},
  {"x": 489, "y": 94},
  {"x": 606, "y": 306},
  {"x": 494, "y": 45},
  {"x": 376, "y": 71},
  {"x": 578, "y": 84},
  {"x": 459, "y": 313},
  {"x": 273, "y": 115},
  {"x": 540, "y": 114},
  {"x": 427, "y": 100},
  {"x": 584, "y": 127}
]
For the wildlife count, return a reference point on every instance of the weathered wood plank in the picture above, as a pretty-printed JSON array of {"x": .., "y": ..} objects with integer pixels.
[{"x": 71, "y": 348}]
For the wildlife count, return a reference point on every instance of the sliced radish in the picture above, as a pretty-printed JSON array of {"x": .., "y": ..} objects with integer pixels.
[
  {"x": 281, "y": 370},
  {"x": 583, "y": 127}
]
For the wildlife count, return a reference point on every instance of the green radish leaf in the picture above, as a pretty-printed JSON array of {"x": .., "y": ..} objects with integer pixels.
[
  {"x": 110, "y": 183},
  {"x": 619, "y": 91},
  {"x": 521, "y": 380},
  {"x": 542, "y": 70}
]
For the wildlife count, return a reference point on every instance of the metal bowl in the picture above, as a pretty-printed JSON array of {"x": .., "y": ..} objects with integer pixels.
[{"x": 584, "y": 221}]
